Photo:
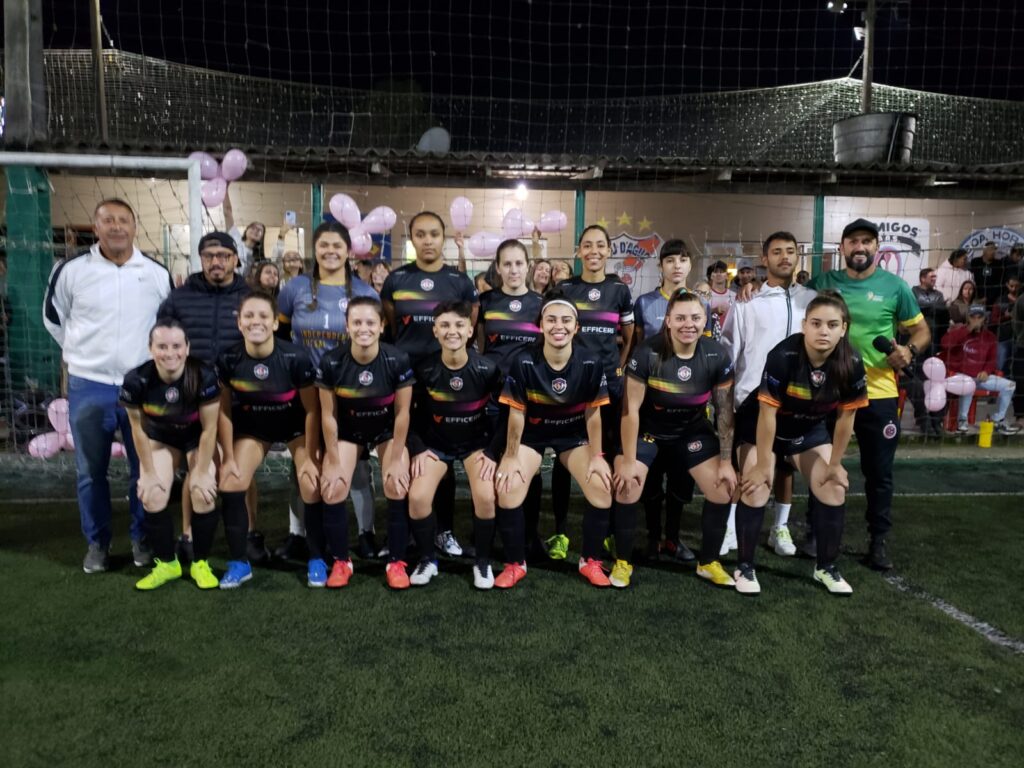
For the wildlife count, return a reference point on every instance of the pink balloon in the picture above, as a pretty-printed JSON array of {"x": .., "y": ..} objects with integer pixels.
[
  {"x": 58, "y": 413},
  {"x": 234, "y": 164},
  {"x": 67, "y": 442},
  {"x": 380, "y": 220},
  {"x": 461, "y": 211},
  {"x": 44, "y": 446},
  {"x": 214, "y": 191},
  {"x": 515, "y": 224},
  {"x": 209, "y": 168},
  {"x": 934, "y": 369},
  {"x": 362, "y": 243},
  {"x": 960, "y": 385},
  {"x": 934, "y": 395},
  {"x": 484, "y": 244},
  {"x": 345, "y": 210},
  {"x": 117, "y": 450},
  {"x": 552, "y": 221}
]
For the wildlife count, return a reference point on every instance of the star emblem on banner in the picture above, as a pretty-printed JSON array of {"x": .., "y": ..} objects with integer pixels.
[
  {"x": 645, "y": 224},
  {"x": 603, "y": 222},
  {"x": 625, "y": 219}
]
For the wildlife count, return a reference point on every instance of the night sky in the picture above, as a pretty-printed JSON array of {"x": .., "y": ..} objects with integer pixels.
[{"x": 568, "y": 48}]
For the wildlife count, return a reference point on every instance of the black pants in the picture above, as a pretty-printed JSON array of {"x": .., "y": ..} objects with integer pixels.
[{"x": 877, "y": 428}]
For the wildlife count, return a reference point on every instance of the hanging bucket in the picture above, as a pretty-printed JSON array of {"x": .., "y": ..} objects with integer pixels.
[{"x": 877, "y": 137}]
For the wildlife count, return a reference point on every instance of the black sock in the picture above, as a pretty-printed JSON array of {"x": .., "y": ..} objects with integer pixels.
[
  {"x": 714, "y": 519},
  {"x": 595, "y": 526},
  {"x": 315, "y": 535},
  {"x": 748, "y": 529},
  {"x": 160, "y": 534},
  {"x": 204, "y": 528},
  {"x": 236, "y": 523},
  {"x": 398, "y": 529},
  {"x": 483, "y": 534},
  {"x": 828, "y": 521},
  {"x": 673, "y": 516},
  {"x": 336, "y": 529},
  {"x": 625, "y": 531},
  {"x": 511, "y": 523},
  {"x": 561, "y": 484},
  {"x": 531, "y": 507},
  {"x": 812, "y": 505},
  {"x": 423, "y": 531},
  {"x": 444, "y": 501},
  {"x": 651, "y": 497}
]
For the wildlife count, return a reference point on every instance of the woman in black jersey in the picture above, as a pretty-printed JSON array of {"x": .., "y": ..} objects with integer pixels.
[
  {"x": 268, "y": 397},
  {"x": 172, "y": 403},
  {"x": 807, "y": 378},
  {"x": 554, "y": 392},
  {"x": 365, "y": 396},
  {"x": 669, "y": 380}
]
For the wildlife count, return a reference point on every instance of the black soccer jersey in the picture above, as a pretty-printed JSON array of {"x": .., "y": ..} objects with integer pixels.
[
  {"x": 555, "y": 402},
  {"x": 801, "y": 392},
  {"x": 365, "y": 393},
  {"x": 602, "y": 308},
  {"x": 509, "y": 324},
  {"x": 678, "y": 389},
  {"x": 265, "y": 400},
  {"x": 448, "y": 413},
  {"x": 415, "y": 293},
  {"x": 167, "y": 416}
]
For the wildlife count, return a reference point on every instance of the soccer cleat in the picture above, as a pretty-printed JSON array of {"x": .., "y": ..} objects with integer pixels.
[
  {"x": 202, "y": 575},
  {"x": 781, "y": 541},
  {"x": 593, "y": 571},
  {"x": 962, "y": 427},
  {"x": 162, "y": 573},
  {"x": 483, "y": 576},
  {"x": 715, "y": 573},
  {"x": 341, "y": 572},
  {"x": 557, "y": 546},
  {"x": 396, "y": 575},
  {"x": 609, "y": 547},
  {"x": 729, "y": 543},
  {"x": 97, "y": 559},
  {"x": 833, "y": 580},
  {"x": 679, "y": 551},
  {"x": 446, "y": 542},
  {"x": 142, "y": 555},
  {"x": 256, "y": 548},
  {"x": 425, "y": 570},
  {"x": 878, "y": 555},
  {"x": 621, "y": 572},
  {"x": 316, "y": 573},
  {"x": 746, "y": 580},
  {"x": 367, "y": 548},
  {"x": 292, "y": 548},
  {"x": 510, "y": 576},
  {"x": 1004, "y": 427},
  {"x": 238, "y": 572}
]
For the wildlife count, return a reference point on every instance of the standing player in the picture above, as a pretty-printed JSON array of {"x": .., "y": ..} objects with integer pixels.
[
  {"x": 670, "y": 379},
  {"x": 555, "y": 392},
  {"x": 173, "y": 403},
  {"x": 807, "y": 377}
]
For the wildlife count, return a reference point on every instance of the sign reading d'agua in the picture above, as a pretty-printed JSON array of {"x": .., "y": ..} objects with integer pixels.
[
  {"x": 903, "y": 246},
  {"x": 635, "y": 261}
]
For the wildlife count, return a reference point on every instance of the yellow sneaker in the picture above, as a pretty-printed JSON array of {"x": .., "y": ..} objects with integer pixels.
[
  {"x": 162, "y": 573},
  {"x": 202, "y": 575},
  {"x": 715, "y": 573},
  {"x": 621, "y": 572}
]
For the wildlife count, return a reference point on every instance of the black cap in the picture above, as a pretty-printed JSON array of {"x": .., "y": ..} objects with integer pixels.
[
  {"x": 976, "y": 309},
  {"x": 222, "y": 239},
  {"x": 673, "y": 247},
  {"x": 860, "y": 225},
  {"x": 718, "y": 266}
]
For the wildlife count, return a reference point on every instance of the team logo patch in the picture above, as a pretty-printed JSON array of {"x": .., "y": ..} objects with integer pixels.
[
  {"x": 171, "y": 395},
  {"x": 261, "y": 371},
  {"x": 695, "y": 446},
  {"x": 366, "y": 378},
  {"x": 817, "y": 378},
  {"x": 594, "y": 294},
  {"x": 559, "y": 385},
  {"x": 343, "y": 303},
  {"x": 632, "y": 363},
  {"x": 889, "y": 431},
  {"x": 798, "y": 440},
  {"x": 684, "y": 373},
  {"x": 515, "y": 305},
  {"x": 427, "y": 284},
  {"x": 455, "y": 383}
]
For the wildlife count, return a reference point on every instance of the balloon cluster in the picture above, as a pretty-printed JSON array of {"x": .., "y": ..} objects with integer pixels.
[
  {"x": 937, "y": 385},
  {"x": 378, "y": 221},
  {"x": 51, "y": 443},
  {"x": 216, "y": 176},
  {"x": 514, "y": 225}
]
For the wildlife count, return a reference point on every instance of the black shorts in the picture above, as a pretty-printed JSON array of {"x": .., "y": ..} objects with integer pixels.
[
  {"x": 366, "y": 444},
  {"x": 783, "y": 447},
  {"x": 689, "y": 451},
  {"x": 416, "y": 446},
  {"x": 184, "y": 442},
  {"x": 559, "y": 445}
]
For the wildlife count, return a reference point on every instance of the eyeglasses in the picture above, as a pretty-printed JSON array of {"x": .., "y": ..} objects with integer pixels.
[{"x": 216, "y": 256}]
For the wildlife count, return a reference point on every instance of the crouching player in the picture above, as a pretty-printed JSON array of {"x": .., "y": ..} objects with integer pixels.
[
  {"x": 453, "y": 388},
  {"x": 669, "y": 380},
  {"x": 807, "y": 377},
  {"x": 172, "y": 403}
]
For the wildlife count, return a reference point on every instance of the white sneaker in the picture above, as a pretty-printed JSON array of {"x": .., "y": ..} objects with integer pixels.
[
  {"x": 962, "y": 427},
  {"x": 1005, "y": 427},
  {"x": 833, "y": 581},
  {"x": 746, "y": 580},
  {"x": 779, "y": 538},
  {"x": 729, "y": 542},
  {"x": 448, "y": 544},
  {"x": 425, "y": 571},
  {"x": 483, "y": 577}
]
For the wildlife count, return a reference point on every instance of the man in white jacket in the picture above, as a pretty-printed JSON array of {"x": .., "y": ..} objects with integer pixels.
[
  {"x": 100, "y": 307},
  {"x": 951, "y": 274},
  {"x": 751, "y": 330}
]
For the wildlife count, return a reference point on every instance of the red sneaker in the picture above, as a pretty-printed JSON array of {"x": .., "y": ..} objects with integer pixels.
[
  {"x": 593, "y": 572},
  {"x": 398, "y": 577},
  {"x": 512, "y": 575},
  {"x": 341, "y": 572}
]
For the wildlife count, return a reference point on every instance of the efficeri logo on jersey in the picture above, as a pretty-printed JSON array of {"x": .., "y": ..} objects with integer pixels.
[{"x": 635, "y": 261}]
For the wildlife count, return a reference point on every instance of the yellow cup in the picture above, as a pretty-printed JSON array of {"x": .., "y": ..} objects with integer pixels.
[{"x": 985, "y": 434}]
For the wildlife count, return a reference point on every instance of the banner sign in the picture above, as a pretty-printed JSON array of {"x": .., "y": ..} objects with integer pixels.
[
  {"x": 903, "y": 246},
  {"x": 635, "y": 261}
]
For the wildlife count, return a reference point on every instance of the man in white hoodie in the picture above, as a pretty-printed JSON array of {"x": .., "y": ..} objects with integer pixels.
[
  {"x": 951, "y": 274},
  {"x": 100, "y": 307},
  {"x": 752, "y": 329}
]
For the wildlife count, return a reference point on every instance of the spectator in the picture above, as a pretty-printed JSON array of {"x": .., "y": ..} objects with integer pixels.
[
  {"x": 703, "y": 289},
  {"x": 803, "y": 277},
  {"x": 988, "y": 274},
  {"x": 963, "y": 301},
  {"x": 248, "y": 245},
  {"x": 291, "y": 266},
  {"x": 99, "y": 307},
  {"x": 744, "y": 275},
  {"x": 560, "y": 270},
  {"x": 266, "y": 277},
  {"x": 721, "y": 297},
  {"x": 1001, "y": 322},
  {"x": 380, "y": 273},
  {"x": 539, "y": 277},
  {"x": 951, "y": 274},
  {"x": 1017, "y": 358},
  {"x": 481, "y": 283},
  {"x": 1015, "y": 262},
  {"x": 970, "y": 353},
  {"x": 362, "y": 267}
]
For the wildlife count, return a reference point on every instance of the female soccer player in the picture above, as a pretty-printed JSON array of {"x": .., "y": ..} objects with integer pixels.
[
  {"x": 268, "y": 397},
  {"x": 172, "y": 403},
  {"x": 365, "y": 396},
  {"x": 554, "y": 392},
  {"x": 453, "y": 389},
  {"x": 670, "y": 379},
  {"x": 807, "y": 377}
]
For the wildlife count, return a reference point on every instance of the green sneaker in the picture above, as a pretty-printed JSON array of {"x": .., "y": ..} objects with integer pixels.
[
  {"x": 202, "y": 575},
  {"x": 558, "y": 546},
  {"x": 162, "y": 573},
  {"x": 833, "y": 580},
  {"x": 621, "y": 572},
  {"x": 609, "y": 547}
]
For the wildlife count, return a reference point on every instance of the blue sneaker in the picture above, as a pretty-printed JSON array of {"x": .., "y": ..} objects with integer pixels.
[
  {"x": 316, "y": 574},
  {"x": 239, "y": 572}
]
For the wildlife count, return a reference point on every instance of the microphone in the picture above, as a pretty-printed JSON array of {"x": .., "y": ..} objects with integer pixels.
[{"x": 883, "y": 345}]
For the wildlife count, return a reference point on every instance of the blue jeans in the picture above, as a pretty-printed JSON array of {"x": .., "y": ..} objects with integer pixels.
[
  {"x": 1003, "y": 388},
  {"x": 95, "y": 414}
]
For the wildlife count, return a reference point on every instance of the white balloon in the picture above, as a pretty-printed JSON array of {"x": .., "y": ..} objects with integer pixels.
[{"x": 435, "y": 139}]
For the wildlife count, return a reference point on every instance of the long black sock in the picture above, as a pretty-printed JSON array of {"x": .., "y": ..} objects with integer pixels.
[
  {"x": 316, "y": 538},
  {"x": 398, "y": 529},
  {"x": 483, "y": 534},
  {"x": 423, "y": 531},
  {"x": 595, "y": 527},
  {"x": 444, "y": 501},
  {"x": 531, "y": 507},
  {"x": 812, "y": 505},
  {"x": 829, "y": 521},
  {"x": 714, "y": 519},
  {"x": 673, "y": 516},
  {"x": 512, "y": 523},
  {"x": 561, "y": 483},
  {"x": 236, "y": 523},
  {"x": 204, "y": 528},
  {"x": 651, "y": 497},
  {"x": 336, "y": 529},
  {"x": 625, "y": 531},
  {"x": 160, "y": 534},
  {"x": 748, "y": 530}
]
